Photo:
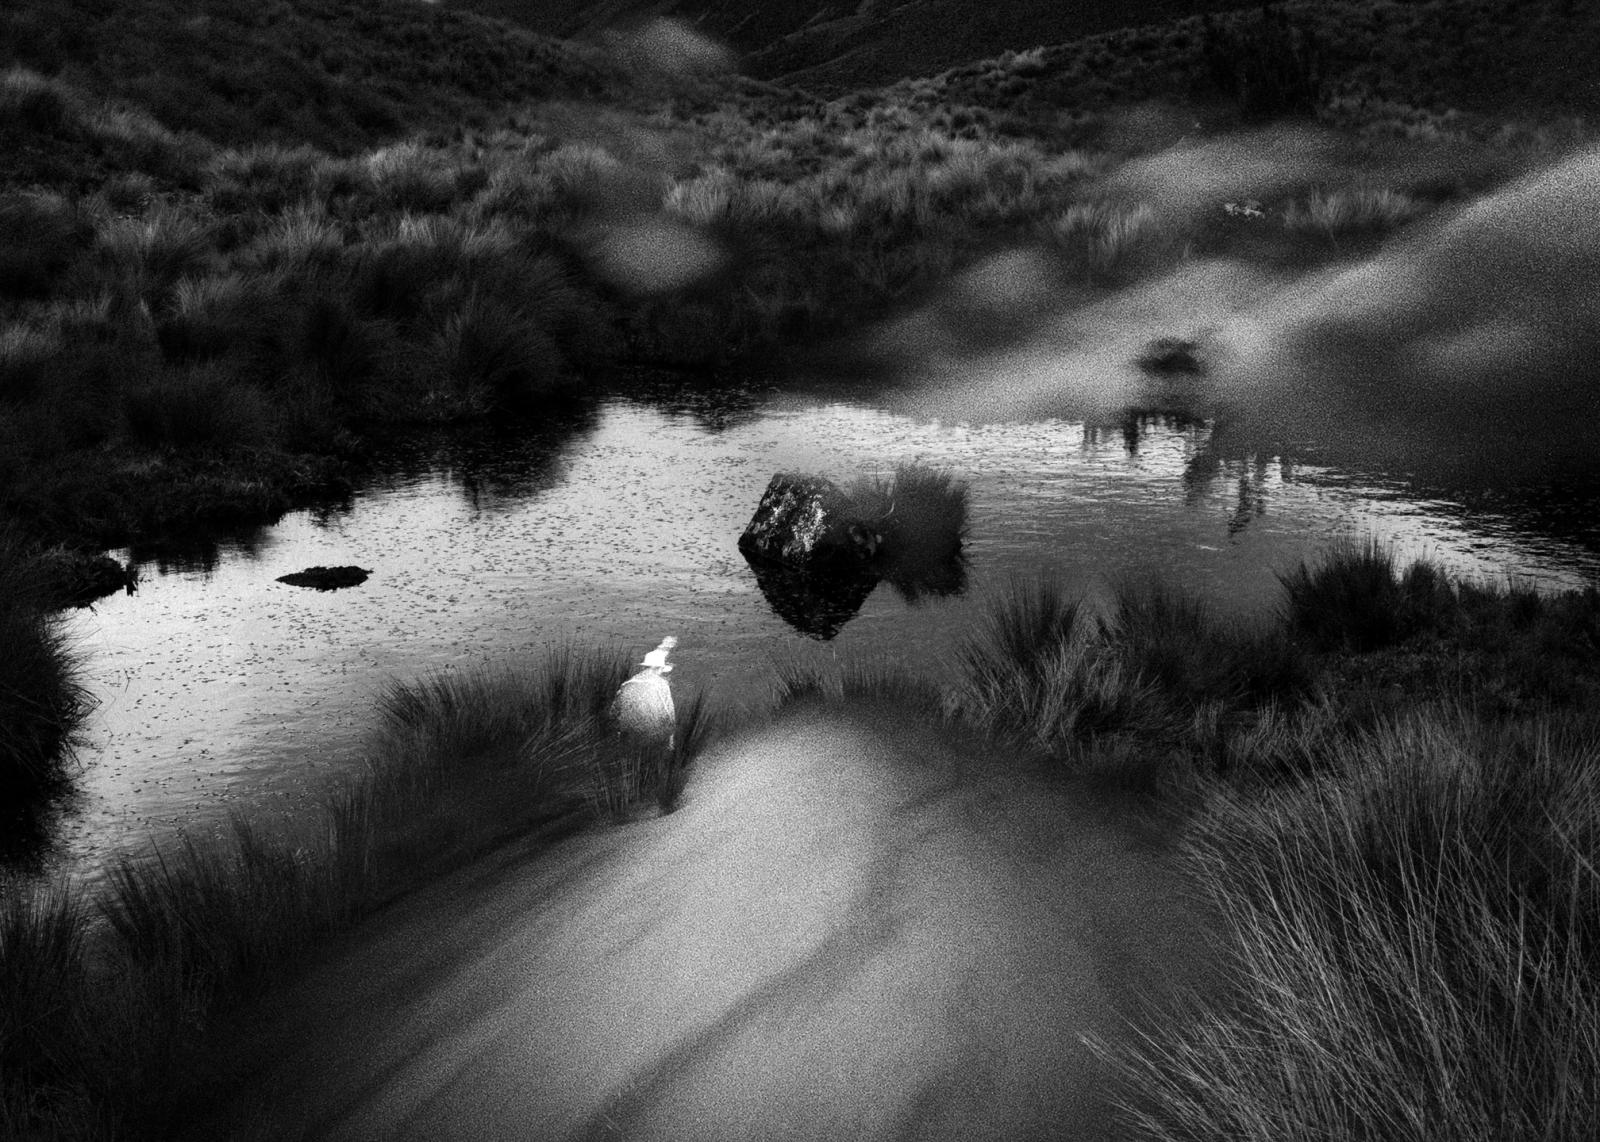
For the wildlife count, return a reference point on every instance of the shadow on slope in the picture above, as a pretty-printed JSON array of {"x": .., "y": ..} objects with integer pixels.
[{"x": 856, "y": 925}]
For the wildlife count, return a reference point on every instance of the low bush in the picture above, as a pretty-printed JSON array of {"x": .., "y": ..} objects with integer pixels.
[
  {"x": 43, "y": 698},
  {"x": 920, "y": 513},
  {"x": 200, "y": 408},
  {"x": 41, "y": 235},
  {"x": 1357, "y": 600},
  {"x": 1270, "y": 63},
  {"x": 1417, "y": 951}
]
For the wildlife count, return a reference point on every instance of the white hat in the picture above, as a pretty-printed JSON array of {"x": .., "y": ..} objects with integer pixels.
[{"x": 658, "y": 656}]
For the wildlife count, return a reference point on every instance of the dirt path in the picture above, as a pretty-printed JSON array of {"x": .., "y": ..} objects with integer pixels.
[{"x": 851, "y": 929}]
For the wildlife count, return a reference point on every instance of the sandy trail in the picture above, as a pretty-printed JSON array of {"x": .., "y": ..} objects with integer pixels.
[{"x": 854, "y": 927}]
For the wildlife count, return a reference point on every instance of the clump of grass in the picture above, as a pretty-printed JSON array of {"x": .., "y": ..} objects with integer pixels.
[
  {"x": 1357, "y": 211},
  {"x": 1040, "y": 670},
  {"x": 920, "y": 515},
  {"x": 43, "y": 940},
  {"x": 494, "y": 357},
  {"x": 867, "y": 683},
  {"x": 1110, "y": 242},
  {"x": 37, "y": 103},
  {"x": 103, "y": 1026},
  {"x": 202, "y": 408},
  {"x": 43, "y": 698},
  {"x": 148, "y": 255},
  {"x": 1172, "y": 638},
  {"x": 1356, "y": 600},
  {"x": 1416, "y": 943},
  {"x": 41, "y": 235}
]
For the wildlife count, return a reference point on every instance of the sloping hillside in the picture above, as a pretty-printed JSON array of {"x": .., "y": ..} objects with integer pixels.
[
  {"x": 337, "y": 74},
  {"x": 840, "y": 45}
]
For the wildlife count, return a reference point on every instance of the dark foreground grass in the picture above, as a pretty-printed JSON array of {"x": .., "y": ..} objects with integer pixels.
[
  {"x": 1409, "y": 891},
  {"x": 1417, "y": 946},
  {"x": 1412, "y": 889},
  {"x": 42, "y": 695},
  {"x": 109, "y": 1001}
]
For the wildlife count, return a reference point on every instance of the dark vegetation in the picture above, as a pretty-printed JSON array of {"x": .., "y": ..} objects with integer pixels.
[
  {"x": 42, "y": 698},
  {"x": 240, "y": 243},
  {"x": 919, "y": 515},
  {"x": 108, "y": 1001},
  {"x": 223, "y": 281},
  {"x": 1435, "y": 857}
]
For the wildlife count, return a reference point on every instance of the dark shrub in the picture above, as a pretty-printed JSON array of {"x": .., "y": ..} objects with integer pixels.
[
  {"x": 921, "y": 518},
  {"x": 1270, "y": 65},
  {"x": 203, "y": 408},
  {"x": 42, "y": 696},
  {"x": 498, "y": 357},
  {"x": 1171, "y": 638},
  {"x": 1356, "y": 601},
  {"x": 39, "y": 238}
]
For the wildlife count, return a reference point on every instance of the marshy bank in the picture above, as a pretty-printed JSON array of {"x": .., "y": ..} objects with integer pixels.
[{"x": 1396, "y": 776}]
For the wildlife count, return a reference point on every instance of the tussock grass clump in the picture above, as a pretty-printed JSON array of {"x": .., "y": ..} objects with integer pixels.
[
  {"x": 43, "y": 698},
  {"x": 36, "y": 103},
  {"x": 1357, "y": 600},
  {"x": 920, "y": 515},
  {"x": 149, "y": 254},
  {"x": 41, "y": 235},
  {"x": 873, "y": 683},
  {"x": 1353, "y": 211},
  {"x": 43, "y": 938},
  {"x": 1172, "y": 638},
  {"x": 1111, "y": 242},
  {"x": 1041, "y": 670},
  {"x": 494, "y": 357},
  {"x": 1417, "y": 945},
  {"x": 198, "y": 409},
  {"x": 103, "y": 1022},
  {"x": 1157, "y": 667}
]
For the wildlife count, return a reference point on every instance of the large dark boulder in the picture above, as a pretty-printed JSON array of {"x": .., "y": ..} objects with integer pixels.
[
  {"x": 811, "y": 553},
  {"x": 808, "y": 522}
]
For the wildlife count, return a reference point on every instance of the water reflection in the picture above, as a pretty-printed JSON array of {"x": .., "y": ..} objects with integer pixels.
[
  {"x": 816, "y": 601},
  {"x": 222, "y": 689}
]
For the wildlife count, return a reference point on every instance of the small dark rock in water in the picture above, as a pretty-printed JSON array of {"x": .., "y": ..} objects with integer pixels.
[
  {"x": 326, "y": 578},
  {"x": 1166, "y": 356}
]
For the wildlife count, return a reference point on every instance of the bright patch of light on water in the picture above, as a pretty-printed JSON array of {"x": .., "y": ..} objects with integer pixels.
[{"x": 222, "y": 689}]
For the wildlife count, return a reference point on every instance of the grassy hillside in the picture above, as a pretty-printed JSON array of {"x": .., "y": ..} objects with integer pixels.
[
  {"x": 837, "y": 46},
  {"x": 237, "y": 240},
  {"x": 337, "y": 74},
  {"x": 1481, "y": 54}
]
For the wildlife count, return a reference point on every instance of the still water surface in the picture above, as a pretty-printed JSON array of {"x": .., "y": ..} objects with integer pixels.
[{"x": 223, "y": 690}]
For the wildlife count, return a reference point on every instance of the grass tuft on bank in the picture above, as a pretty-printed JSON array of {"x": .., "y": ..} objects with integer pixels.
[
  {"x": 1406, "y": 887},
  {"x": 108, "y": 1001},
  {"x": 43, "y": 697},
  {"x": 1417, "y": 946}
]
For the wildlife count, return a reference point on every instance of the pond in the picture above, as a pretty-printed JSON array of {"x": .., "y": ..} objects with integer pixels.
[{"x": 221, "y": 689}]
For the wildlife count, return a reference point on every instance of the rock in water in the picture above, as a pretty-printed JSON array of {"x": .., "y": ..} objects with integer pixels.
[
  {"x": 806, "y": 522},
  {"x": 326, "y": 578}
]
